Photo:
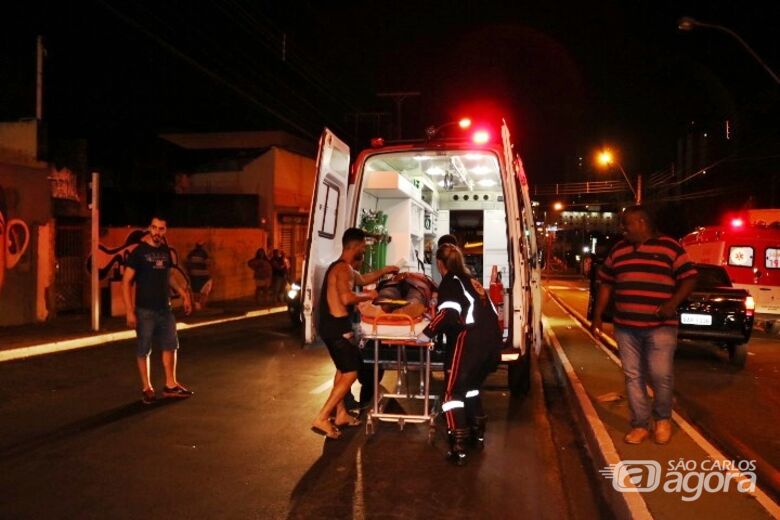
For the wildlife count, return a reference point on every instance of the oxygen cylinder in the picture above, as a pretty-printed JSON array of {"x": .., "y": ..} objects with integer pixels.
[{"x": 497, "y": 295}]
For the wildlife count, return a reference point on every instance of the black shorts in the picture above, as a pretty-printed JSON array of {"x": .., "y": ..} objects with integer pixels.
[{"x": 344, "y": 353}]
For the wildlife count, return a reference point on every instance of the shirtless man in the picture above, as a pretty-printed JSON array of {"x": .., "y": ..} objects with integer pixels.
[{"x": 337, "y": 301}]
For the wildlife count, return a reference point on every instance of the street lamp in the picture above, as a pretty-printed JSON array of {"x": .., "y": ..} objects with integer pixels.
[
  {"x": 606, "y": 158},
  {"x": 687, "y": 23},
  {"x": 433, "y": 131}
]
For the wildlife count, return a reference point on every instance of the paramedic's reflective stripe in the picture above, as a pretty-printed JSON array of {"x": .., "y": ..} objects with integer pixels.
[
  {"x": 470, "y": 314},
  {"x": 450, "y": 405},
  {"x": 472, "y": 393},
  {"x": 451, "y": 305}
]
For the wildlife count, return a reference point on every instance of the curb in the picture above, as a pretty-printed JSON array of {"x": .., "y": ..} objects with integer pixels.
[
  {"x": 768, "y": 475},
  {"x": 600, "y": 445},
  {"x": 111, "y": 337}
]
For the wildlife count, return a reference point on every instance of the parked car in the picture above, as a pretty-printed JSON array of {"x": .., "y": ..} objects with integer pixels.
[
  {"x": 718, "y": 311},
  {"x": 715, "y": 311}
]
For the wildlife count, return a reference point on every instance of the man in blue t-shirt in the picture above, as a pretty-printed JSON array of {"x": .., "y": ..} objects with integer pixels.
[{"x": 149, "y": 309}]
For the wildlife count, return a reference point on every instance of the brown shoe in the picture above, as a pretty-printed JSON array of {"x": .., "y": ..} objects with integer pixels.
[
  {"x": 636, "y": 436},
  {"x": 663, "y": 431}
]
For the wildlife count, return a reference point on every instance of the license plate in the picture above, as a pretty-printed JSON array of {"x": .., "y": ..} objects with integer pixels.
[{"x": 695, "y": 319}]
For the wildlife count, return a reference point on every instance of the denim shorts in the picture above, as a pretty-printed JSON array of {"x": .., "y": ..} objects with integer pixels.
[{"x": 158, "y": 327}]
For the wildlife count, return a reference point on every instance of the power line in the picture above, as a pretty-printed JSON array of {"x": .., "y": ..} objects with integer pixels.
[{"x": 216, "y": 77}]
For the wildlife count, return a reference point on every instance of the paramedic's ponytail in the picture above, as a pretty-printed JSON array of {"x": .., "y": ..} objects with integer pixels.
[{"x": 452, "y": 259}]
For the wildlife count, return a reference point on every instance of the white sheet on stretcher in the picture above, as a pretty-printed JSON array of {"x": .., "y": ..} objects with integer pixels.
[{"x": 401, "y": 330}]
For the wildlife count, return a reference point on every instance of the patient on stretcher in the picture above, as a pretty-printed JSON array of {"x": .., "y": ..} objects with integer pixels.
[{"x": 404, "y": 293}]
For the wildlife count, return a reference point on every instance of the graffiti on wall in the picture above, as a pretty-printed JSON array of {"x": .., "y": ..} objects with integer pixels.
[
  {"x": 111, "y": 260},
  {"x": 14, "y": 239}
]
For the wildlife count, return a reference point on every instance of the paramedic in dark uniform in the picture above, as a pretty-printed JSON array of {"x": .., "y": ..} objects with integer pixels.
[
  {"x": 466, "y": 314},
  {"x": 334, "y": 326}
]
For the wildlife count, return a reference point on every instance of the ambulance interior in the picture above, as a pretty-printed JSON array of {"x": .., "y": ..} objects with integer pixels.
[{"x": 429, "y": 194}]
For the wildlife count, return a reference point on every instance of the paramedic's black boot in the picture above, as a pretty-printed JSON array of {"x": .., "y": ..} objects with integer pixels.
[
  {"x": 458, "y": 440},
  {"x": 478, "y": 432}
]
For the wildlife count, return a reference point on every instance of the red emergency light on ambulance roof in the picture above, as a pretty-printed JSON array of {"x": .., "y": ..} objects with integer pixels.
[
  {"x": 464, "y": 123},
  {"x": 737, "y": 223},
  {"x": 481, "y": 137}
]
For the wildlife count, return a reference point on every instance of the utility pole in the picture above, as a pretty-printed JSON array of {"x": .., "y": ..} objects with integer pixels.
[
  {"x": 39, "y": 54},
  {"x": 95, "y": 235},
  {"x": 399, "y": 98}
]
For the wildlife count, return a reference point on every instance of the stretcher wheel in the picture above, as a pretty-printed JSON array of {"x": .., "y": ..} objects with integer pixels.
[
  {"x": 369, "y": 428},
  {"x": 431, "y": 435},
  {"x": 401, "y": 424}
]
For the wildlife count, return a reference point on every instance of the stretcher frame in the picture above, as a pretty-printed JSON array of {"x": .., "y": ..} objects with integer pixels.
[{"x": 401, "y": 364}]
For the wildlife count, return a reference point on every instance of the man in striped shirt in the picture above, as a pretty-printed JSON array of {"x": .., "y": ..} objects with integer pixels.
[{"x": 649, "y": 275}]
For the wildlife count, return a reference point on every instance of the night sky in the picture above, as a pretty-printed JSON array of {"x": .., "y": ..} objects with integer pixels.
[{"x": 568, "y": 77}]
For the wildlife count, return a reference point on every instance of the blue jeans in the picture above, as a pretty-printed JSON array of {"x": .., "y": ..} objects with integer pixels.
[
  {"x": 648, "y": 357},
  {"x": 155, "y": 326}
]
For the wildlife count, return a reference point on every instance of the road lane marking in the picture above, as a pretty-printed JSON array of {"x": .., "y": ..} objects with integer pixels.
[
  {"x": 637, "y": 507},
  {"x": 111, "y": 337},
  {"x": 714, "y": 453}
]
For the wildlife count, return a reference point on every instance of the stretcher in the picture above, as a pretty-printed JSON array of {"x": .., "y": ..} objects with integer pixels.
[{"x": 396, "y": 334}]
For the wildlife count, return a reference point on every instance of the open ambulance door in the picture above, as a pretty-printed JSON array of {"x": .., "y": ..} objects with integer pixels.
[
  {"x": 518, "y": 274},
  {"x": 535, "y": 314},
  {"x": 327, "y": 222}
]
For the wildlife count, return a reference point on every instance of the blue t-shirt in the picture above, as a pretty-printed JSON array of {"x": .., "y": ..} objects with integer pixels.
[{"x": 152, "y": 267}]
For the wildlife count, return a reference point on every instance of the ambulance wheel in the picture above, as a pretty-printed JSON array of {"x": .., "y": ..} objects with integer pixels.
[{"x": 519, "y": 376}]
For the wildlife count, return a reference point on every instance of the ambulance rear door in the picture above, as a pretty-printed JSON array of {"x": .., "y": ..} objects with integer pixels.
[{"x": 327, "y": 222}]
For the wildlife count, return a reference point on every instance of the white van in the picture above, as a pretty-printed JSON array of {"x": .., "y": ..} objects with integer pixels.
[{"x": 477, "y": 192}]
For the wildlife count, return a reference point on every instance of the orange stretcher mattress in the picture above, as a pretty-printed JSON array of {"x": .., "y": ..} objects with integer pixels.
[{"x": 392, "y": 326}]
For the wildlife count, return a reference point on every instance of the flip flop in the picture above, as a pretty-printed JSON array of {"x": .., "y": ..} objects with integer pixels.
[
  {"x": 354, "y": 422},
  {"x": 329, "y": 435}
]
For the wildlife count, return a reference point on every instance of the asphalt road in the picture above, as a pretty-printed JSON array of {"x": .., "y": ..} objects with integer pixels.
[
  {"x": 75, "y": 442},
  {"x": 737, "y": 408}
]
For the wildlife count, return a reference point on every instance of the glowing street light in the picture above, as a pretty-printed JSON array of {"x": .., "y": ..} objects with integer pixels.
[
  {"x": 687, "y": 23},
  {"x": 558, "y": 206},
  {"x": 606, "y": 158}
]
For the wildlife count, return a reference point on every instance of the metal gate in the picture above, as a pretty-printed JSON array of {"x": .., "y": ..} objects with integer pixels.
[
  {"x": 71, "y": 272},
  {"x": 292, "y": 238}
]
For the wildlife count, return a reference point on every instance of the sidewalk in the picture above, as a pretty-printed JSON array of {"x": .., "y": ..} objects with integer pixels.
[
  {"x": 596, "y": 389},
  {"x": 74, "y": 330}
]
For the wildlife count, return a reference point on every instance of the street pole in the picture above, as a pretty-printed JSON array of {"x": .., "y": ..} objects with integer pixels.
[
  {"x": 94, "y": 271},
  {"x": 638, "y": 190},
  {"x": 39, "y": 52},
  {"x": 399, "y": 98}
]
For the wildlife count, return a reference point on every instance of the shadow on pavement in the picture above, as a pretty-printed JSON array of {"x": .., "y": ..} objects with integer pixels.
[{"x": 83, "y": 425}]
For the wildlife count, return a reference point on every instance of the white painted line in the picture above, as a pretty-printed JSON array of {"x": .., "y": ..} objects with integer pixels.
[
  {"x": 714, "y": 453},
  {"x": 634, "y": 501},
  {"x": 327, "y": 385},
  {"x": 111, "y": 337}
]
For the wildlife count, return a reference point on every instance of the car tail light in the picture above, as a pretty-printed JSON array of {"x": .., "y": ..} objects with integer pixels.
[{"x": 750, "y": 305}]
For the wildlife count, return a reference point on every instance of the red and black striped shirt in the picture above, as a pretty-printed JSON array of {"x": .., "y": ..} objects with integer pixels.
[{"x": 644, "y": 276}]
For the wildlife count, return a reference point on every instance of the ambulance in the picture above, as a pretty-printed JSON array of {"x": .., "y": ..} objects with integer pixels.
[
  {"x": 748, "y": 247},
  {"x": 469, "y": 184}
]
